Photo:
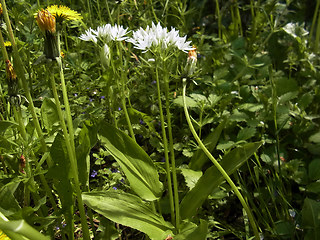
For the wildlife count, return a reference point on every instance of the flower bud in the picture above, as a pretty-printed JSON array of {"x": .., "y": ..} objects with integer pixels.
[
  {"x": 191, "y": 62},
  {"x": 46, "y": 21},
  {"x": 105, "y": 56}
]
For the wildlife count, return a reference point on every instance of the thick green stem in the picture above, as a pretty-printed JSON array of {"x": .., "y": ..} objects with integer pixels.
[
  {"x": 217, "y": 165},
  {"x": 165, "y": 145},
  {"x": 172, "y": 157},
  {"x": 63, "y": 126},
  {"x": 69, "y": 137}
]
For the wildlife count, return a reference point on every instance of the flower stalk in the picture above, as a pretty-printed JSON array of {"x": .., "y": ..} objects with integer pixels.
[
  {"x": 166, "y": 150},
  {"x": 171, "y": 149},
  {"x": 218, "y": 166}
]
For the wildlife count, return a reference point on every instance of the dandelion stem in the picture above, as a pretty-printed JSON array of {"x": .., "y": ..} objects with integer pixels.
[
  {"x": 71, "y": 150},
  {"x": 218, "y": 166}
]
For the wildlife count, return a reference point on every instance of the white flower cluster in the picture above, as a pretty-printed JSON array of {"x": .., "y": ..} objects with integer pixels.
[
  {"x": 106, "y": 33},
  {"x": 144, "y": 39}
]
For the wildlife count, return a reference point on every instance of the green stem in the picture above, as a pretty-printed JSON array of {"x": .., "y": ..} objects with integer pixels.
[
  {"x": 153, "y": 12},
  {"x": 123, "y": 79},
  {"x": 219, "y": 19},
  {"x": 69, "y": 137},
  {"x": 165, "y": 145},
  {"x": 63, "y": 126},
  {"x": 314, "y": 19},
  {"x": 109, "y": 13},
  {"x": 274, "y": 111},
  {"x": 217, "y": 165},
  {"x": 316, "y": 42},
  {"x": 171, "y": 149}
]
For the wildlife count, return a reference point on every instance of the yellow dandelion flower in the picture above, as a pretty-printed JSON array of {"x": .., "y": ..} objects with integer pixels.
[
  {"x": 3, "y": 236},
  {"x": 7, "y": 44},
  {"x": 0, "y": 9},
  {"x": 46, "y": 21},
  {"x": 63, "y": 12}
]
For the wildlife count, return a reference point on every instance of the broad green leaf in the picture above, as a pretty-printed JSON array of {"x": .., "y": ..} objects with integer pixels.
[
  {"x": 191, "y": 177},
  {"x": 20, "y": 229},
  {"x": 251, "y": 107},
  {"x": 4, "y": 125},
  {"x": 61, "y": 173},
  {"x": 311, "y": 218},
  {"x": 284, "y": 229},
  {"x": 314, "y": 169},
  {"x": 191, "y": 103},
  {"x": 246, "y": 133},
  {"x": 6, "y": 143},
  {"x": 315, "y": 138},
  {"x": 49, "y": 113},
  {"x": 83, "y": 158},
  {"x": 190, "y": 231},
  {"x": 212, "y": 178},
  {"x": 8, "y": 203},
  {"x": 199, "y": 158},
  {"x": 135, "y": 115},
  {"x": 128, "y": 210},
  {"x": 134, "y": 161},
  {"x": 314, "y": 187},
  {"x": 285, "y": 85}
]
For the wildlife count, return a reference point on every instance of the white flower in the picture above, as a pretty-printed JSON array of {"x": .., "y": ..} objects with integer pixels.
[
  {"x": 89, "y": 36},
  {"x": 158, "y": 36},
  {"x": 103, "y": 31},
  {"x": 106, "y": 33},
  {"x": 118, "y": 33}
]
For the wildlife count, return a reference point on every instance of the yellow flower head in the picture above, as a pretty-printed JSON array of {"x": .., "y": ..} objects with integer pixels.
[
  {"x": 46, "y": 21},
  {"x": 3, "y": 236},
  {"x": 63, "y": 12},
  {"x": 0, "y": 9},
  {"x": 7, "y": 44}
]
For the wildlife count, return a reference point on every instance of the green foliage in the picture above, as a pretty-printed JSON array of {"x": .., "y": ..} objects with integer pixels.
[
  {"x": 256, "y": 80},
  {"x": 212, "y": 178},
  {"x": 129, "y": 210},
  {"x": 135, "y": 163}
]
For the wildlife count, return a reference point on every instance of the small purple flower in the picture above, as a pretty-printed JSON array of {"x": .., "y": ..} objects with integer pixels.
[
  {"x": 90, "y": 99},
  {"x": 141, "y": 121},
  {"x": 154, "y": 82},
  {"x": 119, "y": 108},
  {"x": 94, "y": 173},
  {"x": 102, "y": 97},
  {"x": 114, "y": 170},
  {"x": 114, "y": 188},
  {"x": 76, "y": 95}
]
